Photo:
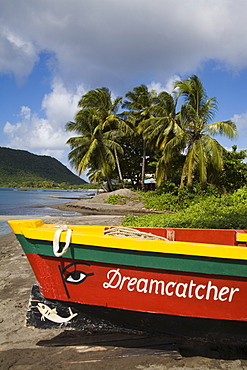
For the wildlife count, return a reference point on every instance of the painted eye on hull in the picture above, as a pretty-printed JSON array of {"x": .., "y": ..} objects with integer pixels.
[{"x": 76, "y": 277}]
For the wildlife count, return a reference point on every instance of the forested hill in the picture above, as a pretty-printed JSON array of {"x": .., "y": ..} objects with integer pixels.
[{"x": 19, "y": 168}]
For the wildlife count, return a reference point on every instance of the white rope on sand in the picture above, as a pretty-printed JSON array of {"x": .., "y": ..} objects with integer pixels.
[{"x": 131, "y": 233}]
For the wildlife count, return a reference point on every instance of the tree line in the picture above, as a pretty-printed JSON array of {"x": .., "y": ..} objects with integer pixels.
[{"x": 169, "y": 135}]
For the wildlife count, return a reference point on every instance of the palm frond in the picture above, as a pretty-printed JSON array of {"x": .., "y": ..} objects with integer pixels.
[{"x": 226, "y": 128}]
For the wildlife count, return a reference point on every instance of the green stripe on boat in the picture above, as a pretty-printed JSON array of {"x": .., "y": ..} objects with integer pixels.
[{"x": 161, "y": 261}]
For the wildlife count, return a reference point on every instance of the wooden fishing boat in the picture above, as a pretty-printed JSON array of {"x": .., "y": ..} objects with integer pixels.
[{"x": 185, "y": 282}]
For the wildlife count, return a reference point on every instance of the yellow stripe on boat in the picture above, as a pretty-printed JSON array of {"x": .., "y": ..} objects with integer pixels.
[
  {"x": 241, "y": 237},
  {"x": 94, "y": 235}
]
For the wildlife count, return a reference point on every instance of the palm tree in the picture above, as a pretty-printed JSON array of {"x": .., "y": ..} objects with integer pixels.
[
  {"x": 139, "y": 102},
  {"x": 157, "y": 128},
  {"x": 161, "y": 127},
  {"x": 92, "y": 147},
  {"x": 193, "y": 133},
  {"x": 109, "y": 122}
]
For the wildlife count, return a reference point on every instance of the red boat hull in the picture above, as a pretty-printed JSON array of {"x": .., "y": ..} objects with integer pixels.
[{"x": 141, "y": 289}]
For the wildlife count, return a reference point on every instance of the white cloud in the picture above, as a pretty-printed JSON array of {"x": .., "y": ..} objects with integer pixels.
[
  {"x": 109, "y": 42},
  {"x": 26, "y": 112},
  {"x": 61, "y": 104},
  {"x": 241, "y": 122},
  {"x": 157, "y": 86},
  {"x": 10, "y": 129},
  {"x": 46, "y": 135},
  {"x": 168, "y": 87},
  {"x": 18, "y": 56},
  {"x": 115, "y": 43}
]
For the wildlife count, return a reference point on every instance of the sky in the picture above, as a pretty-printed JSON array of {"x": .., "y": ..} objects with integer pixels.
[{"x": 54, "y": 51}]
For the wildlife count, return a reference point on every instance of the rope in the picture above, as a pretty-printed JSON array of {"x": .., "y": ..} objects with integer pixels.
[
  {"x": 57, "y": 238},
  {"x": 114, "y": 231},
  {"x": 131, "y": 233}
]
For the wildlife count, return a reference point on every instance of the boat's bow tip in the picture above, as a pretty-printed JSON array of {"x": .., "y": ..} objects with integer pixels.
[{"x": 18, "y": 225}]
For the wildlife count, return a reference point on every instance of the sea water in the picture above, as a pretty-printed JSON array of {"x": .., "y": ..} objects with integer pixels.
[{"x": 35, "y": 203}]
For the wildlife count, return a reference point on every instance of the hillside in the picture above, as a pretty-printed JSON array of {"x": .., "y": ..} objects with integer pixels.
[{"x": 19, "y": 168}]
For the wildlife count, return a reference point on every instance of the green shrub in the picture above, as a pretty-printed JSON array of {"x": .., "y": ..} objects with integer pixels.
[
  {"x": 170, "y": 202},
  {"x": 162, "y": 202},
  {"x": 179, "y": 199},
  {"x": 240, "y": 195},
  {"x": 228, "y": 212},
  {"x": 167, "y": 187},
  {"x": 116, "y": 199}
]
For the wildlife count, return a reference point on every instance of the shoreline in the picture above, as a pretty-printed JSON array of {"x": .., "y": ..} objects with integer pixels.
[
  {"x": 87, "y": 208},
  {"x": 79, "y": 209},
  {"x": 98, "y": 206}
]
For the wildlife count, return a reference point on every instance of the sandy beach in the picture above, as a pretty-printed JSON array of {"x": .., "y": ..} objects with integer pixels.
[{"x": 25, "y": 348}]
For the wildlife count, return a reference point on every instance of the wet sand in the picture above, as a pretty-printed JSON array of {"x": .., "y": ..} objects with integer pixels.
[{"x": 25, "y": 348}]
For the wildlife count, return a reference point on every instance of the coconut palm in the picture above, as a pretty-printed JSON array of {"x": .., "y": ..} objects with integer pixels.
[
  {"x": 163, "y": 117},
  {"x": 139, "y": 102},
  {"x": 160, "y": 128},
  {"x": 92, "y": 148},
  {"x": 193, "y": 132},
  {"x": 109, "y": 122}
]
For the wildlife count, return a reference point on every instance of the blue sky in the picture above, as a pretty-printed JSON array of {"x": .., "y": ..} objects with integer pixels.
[{"x": 52, "y": 52}]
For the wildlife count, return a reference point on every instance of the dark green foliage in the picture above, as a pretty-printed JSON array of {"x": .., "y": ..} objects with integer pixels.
[
  {"x": 178, "y": 199},
  {"x": 19, "y": 168},
  {"x": 234, "y": 175},
  {"x": 131, "y": 160}
]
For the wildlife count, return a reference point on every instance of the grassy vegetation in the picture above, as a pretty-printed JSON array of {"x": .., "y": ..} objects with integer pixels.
[
  {"x": 117, "y": 199},
  {"x": 208, "y": 211},
  {"x": 121, "y": 199}
]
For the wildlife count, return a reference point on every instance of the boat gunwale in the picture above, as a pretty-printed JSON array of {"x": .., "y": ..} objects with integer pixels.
[
  {"x": 45, "y": 232},
  {"x": 144, "y": 245}
]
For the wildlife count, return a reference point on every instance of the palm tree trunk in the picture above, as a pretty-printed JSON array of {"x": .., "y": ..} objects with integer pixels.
[
  {"x": 143, "y": 164},
  {"x": 109, "y": 184},
  {"x": 119, "y": 168}
]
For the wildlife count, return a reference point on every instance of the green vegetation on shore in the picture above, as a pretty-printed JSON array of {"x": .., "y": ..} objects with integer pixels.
[
  {"x": 188, "y": 210},
  {"x": 19, "y": 168}
]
